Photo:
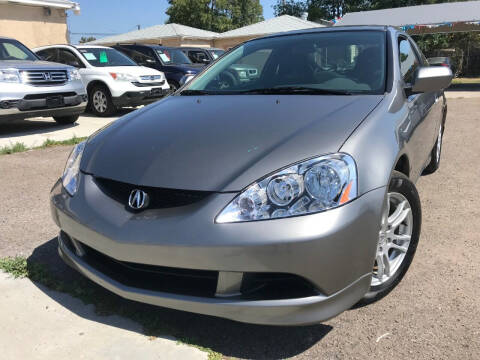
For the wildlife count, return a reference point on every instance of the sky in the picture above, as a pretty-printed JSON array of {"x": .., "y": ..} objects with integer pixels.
[{"x": 107, "y": 17}]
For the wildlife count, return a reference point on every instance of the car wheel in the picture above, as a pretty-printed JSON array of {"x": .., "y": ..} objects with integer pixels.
[
  {"x": 435, "y": 154},
  {"x": 398, "y": 237},
  {"x": 66, "y": 119},
  {"x": 101, "y": 102}
]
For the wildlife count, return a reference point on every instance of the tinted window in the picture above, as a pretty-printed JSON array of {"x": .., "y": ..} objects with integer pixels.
[
  {"x": 139, "y": 55},
  {"x": 48, "y": 54},
  {"x": 102, "y": 57},
  {"x": 342, "y": 61},
  {"x": 408, "y": 61},
  {"x": 197, "y": 56},
  {"x": 14, "y": 50},
  {"x": 172, "y": 56},
  {"x": 68, "y": 58}
]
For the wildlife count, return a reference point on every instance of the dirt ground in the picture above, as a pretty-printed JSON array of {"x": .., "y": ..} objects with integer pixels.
[{"x": 433, "y": 314}]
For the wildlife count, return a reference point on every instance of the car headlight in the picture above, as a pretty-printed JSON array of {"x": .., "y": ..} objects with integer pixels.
[
  {"x": 10, "y": 76},
  {"x": 307, "y": 187},
  {"x": 74, "y": 75},
  {"x": 123, "y": 77},
  {"x": 72, "y": 169}
]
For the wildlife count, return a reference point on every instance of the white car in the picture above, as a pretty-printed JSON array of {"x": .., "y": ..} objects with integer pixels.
[{"x": 112, "y": 79}]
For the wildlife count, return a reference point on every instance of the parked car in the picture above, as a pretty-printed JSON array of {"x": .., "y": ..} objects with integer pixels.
[
  {"x": 33, "y": 88},
  {"x": 171, "y": 60},
  {"x": 283, "y": 201},
  {"x": 113, "y": 80},
  {"x": 442, "y": 61},
  {"x": 202, "y": 55}
]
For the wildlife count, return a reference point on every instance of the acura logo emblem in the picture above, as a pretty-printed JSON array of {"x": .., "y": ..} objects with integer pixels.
[
  {"x": 138, "y": 199},
  {"x": 47, "y": 76}
]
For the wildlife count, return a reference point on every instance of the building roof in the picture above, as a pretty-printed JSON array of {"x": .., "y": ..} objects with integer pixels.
[
  {"x": 158, "y": 32},
  {"x": 465, "y": 11},
  {"x": 271, "y": 26},
  {"x": 60, "y": 4}
]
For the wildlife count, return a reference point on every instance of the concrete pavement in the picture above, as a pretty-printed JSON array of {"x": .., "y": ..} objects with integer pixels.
[{"x": 37, "y": 323}]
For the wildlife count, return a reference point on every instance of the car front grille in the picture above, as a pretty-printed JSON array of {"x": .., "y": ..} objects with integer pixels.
[
  {"x": 44, "y": 77},
  {"x": 160, "y": 198},
  {"x": 148, "y": 84}
]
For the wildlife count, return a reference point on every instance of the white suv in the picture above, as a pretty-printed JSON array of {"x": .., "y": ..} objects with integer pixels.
[{"x": 112, "y": 79}]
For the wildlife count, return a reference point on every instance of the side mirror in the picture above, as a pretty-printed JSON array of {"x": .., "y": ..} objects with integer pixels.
[{"x": 432, "y": 78}]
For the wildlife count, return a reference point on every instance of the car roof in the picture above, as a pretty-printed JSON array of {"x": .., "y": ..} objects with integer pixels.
[
  {"x": 90, "y": 47},
  {"x": 332, "y": 29}
]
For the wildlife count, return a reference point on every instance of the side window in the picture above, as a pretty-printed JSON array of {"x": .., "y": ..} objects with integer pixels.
[
  {"x": 143, "y": 56},
  {"x": 408, "y": 60},
  {"x": 197, "y": 56},
  {"x": 68, "y": 58},
  {"x": 48, "y": 54}
]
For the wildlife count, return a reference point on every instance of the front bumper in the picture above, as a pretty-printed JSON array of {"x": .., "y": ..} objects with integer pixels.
[
  {"x": 40, "y": 107},
  {"x": 136, "y": 98},
  {"x": 333, "y": 250}
]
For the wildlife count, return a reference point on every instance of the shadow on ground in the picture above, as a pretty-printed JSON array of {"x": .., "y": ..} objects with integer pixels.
[
  {"x": 227, "y": 337},
  {"x": 30, "y": 127}
]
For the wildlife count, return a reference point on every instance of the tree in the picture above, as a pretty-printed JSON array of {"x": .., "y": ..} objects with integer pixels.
[
  {"x": 290, "y": 7},
  {"x": 215, "y": 15},
  {"x": 84, "y": 39}
]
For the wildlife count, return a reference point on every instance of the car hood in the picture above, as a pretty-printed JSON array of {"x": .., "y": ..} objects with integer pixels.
[
  {"x": 132, "y": 70},
  {"x": 221, "y": 143},
  {"x": 31, "y": 65}
]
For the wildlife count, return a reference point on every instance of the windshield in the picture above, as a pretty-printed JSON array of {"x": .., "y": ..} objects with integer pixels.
[
  {"x": 14, "y": 50},
  {"x": 102, "y": 57},
  {"x": 216, "y": 53},
  {"x": 337, "y": 62},
  {"x": 173, "y": 56}
]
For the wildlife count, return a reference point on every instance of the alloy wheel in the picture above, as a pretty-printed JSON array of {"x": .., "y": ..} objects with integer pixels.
[
  {"x": 100, "y": 101},
  {"x": 394, "y": 238}
]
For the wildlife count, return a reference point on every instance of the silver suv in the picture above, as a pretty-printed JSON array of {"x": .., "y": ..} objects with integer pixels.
[{"x": 33, "y": 88}]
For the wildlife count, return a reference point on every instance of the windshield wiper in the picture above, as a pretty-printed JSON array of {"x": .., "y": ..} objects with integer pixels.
[
  {"x": 296, "y": 90},
  {"x": 195, "y": 92}
]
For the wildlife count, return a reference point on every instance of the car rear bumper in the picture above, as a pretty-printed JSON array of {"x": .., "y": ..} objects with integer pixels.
[
  {"x": 332, "y": 251},
  {"x": 27, "y": 108}
]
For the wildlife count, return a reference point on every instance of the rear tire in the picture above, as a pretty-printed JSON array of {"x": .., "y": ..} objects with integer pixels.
[
  {"x": 435, "y": 154},
  {"x": 100, "y": 101},
  {"x": 66, "y": 119},
  {"x": 393, "y": 247}
]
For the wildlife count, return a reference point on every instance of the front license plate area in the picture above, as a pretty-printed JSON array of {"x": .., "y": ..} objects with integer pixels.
[{"x": 54, "y": 101}]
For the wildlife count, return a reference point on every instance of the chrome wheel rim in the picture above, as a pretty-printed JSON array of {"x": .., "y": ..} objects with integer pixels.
[
  {"x": 394, "y": 238},
  {"x": 100, "y": 101},
  {"x": 439, "y": 143}
]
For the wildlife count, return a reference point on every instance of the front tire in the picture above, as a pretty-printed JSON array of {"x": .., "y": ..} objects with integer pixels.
[
  {"x": 398, "y": 237},
  {"x": 100, "y": 101},
  {"x": 66, "y": 119}
]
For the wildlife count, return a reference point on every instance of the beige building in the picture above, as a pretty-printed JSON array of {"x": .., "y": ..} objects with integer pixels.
[
  {"x": 36, "y": 22},
  {"x": 181, "y": 35}
]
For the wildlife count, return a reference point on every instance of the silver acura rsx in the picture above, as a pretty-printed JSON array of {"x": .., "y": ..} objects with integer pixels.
[{"x": 281, "y": 194}]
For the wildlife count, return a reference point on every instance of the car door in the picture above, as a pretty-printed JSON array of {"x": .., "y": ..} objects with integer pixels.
[{"x": 420, "y": 122}]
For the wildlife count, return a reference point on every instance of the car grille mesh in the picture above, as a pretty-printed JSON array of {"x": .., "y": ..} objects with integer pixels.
[
  {"x": 160, "y": 198},
  {"x": 42, "y": 77}
]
